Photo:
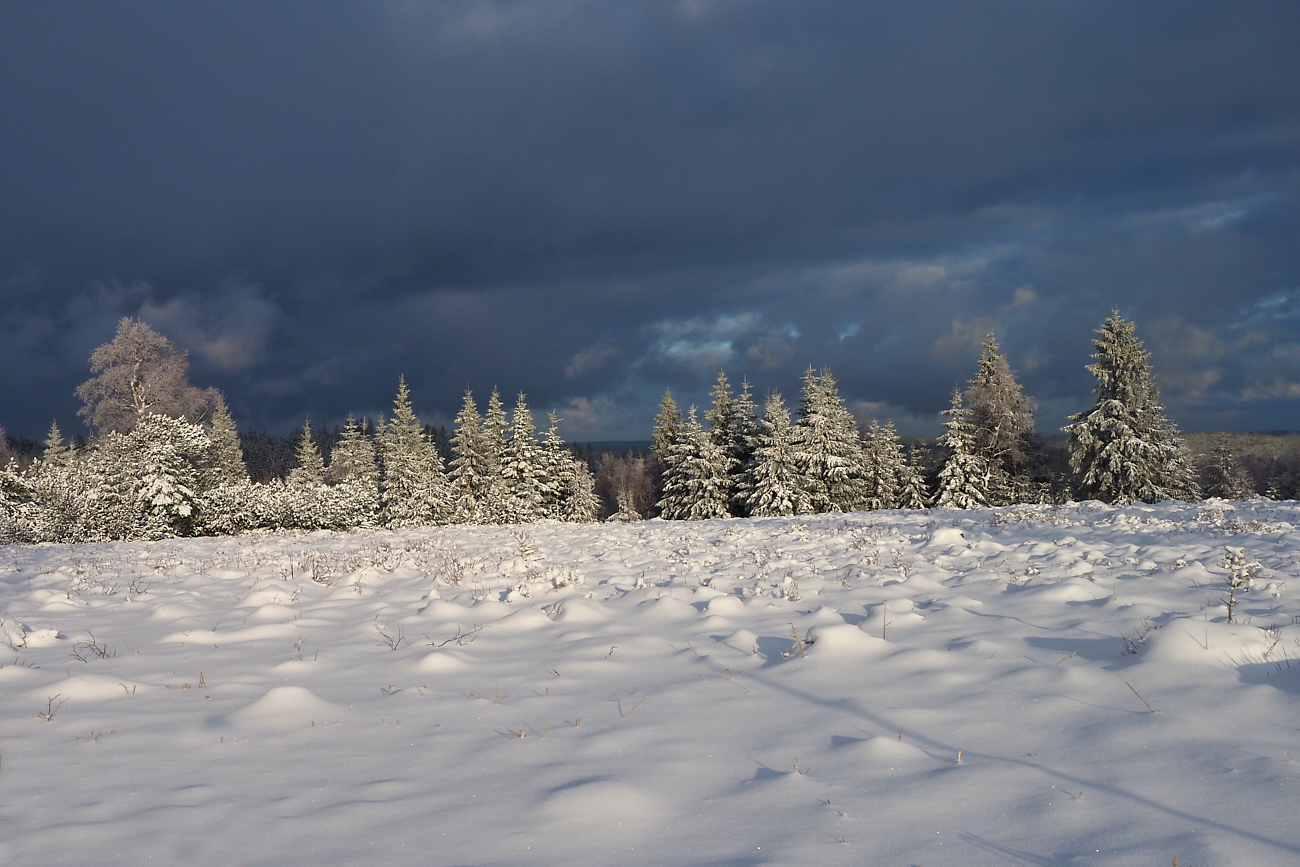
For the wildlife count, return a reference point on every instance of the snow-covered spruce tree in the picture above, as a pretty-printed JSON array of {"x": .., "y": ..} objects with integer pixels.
[
  {"x": 558, "y": 468},
  {"x": 772, "y": 487},
  {"x": 665, "y": 448},
  {"x": 353, "y": 476},
  {"x": 912, "y": 492},
  {"x": 140, "y": 372},
  {"x": 1124, "y": 449},
  {"x": 726, "y": 434},
  {"x": 56, "y": 453},
  {"x": 1004, "y": 435},
  {"x": 581, "y": 505},
  {"x": 307, "y": 500},
  {"x": 961, "y": 479},
  {"x": 16, "y": 506},
  {"x": 882, "y": 462},
  {"x": 224, "y": 463},
  {"x": 353, "y": 459},
  {"x": 413, "y": 489},
  {"x": 522, "y": 467},
  {"x": 496, "y": 503},
  {"x": 704, "y": 480},
  {"x": 470, "y": 467},
  {"x": 164, "y": 453},
  {"x": 827, "y": 447},
  {"x": 743, "y": 445},
  {"x": 59, "y": 485},
  {"x": 311, "y": 466},
  {"x": 1225, "y": 477},
  {"x": 6, "y": 453}
]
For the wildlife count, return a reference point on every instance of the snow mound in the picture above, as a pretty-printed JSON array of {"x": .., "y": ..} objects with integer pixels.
[
  {"x": 282, "y": 708},
  {"x": 884, "y": 751},
  {"x": 726, "y": 606},
  {"x": 842, "y": 640},
  {"x": 88, "y": 687},
  {"x": 601, "y": 808},
  {"x": 441, "y": 662},
  {"x": 945, "y": 538}
]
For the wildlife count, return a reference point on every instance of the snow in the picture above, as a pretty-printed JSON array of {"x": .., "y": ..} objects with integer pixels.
[{"x": 930, "y": 688}]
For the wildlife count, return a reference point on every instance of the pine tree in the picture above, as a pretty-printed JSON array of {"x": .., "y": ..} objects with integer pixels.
[
  {"x": 912, "y": 492},
  {"x": 311, "y": 467},
  {"x": 353, "y": 459},
  {"x": 1124, "y": 449},
  {"x": 1004, "y": 437},
  {"x": 164, "y": 452},
  {"x": 354, "y": 472},
  {"x": 581, "y": 505},
  {"x": 496, "y": 505},
  {"x": 56, "y": 453},
  {"x": 960, "y": 480},
  {"x": 224, "y": 463},
  {"x": 773, "y": 487},
  {"x": 725, "y": 434},
  {"x": 704, "y": 480},
  {"x": 665, "y": 446},
  {"x": 413, "y": 488},
  {"x": 882, "y": 459},
  {"x": 558, "y": 469},
  {"x": 471, "y": 467},
  {"x": 744, "y": 442},
  {"x": 522, "y": 467},
  {"x": 827, "y": 447},
  {"x": 1226, "y": 478}
]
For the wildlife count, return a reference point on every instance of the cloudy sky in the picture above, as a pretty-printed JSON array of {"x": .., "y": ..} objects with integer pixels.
[{"x": 594, "y": 201}]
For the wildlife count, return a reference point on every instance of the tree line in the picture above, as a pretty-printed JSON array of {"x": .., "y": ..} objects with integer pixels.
[
  {"x": 1122, "y": 450},
  {"x": 166, "y": 458}
]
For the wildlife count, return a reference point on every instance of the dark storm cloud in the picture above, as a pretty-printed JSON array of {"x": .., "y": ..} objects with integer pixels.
[{"x": 594, "y": 201}]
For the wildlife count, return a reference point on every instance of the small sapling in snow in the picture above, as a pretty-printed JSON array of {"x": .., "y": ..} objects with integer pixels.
[{"x": 1241, "y": 574}]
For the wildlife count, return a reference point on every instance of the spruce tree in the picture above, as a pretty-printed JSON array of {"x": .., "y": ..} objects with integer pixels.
[
  {"x": 581, "y": 505},
  {"x": 56, "y": 453},
  {"x": 705, "y": 480},
  {"x": 1004, "y": 437},
  {"x": 522, "y": 467},
  {"x": 725, "y": 434},
  {"x": 773, "y": 486},
  {"x": 665, "y": 446},
  {"x": 1225, "y": 477},
  {"x": 827, "y": 447},
  {"x": 225, "y": 460},
  {"x": 743, "y": 444},
  {"x": 311, "y": 467},
  {"x": 163, "y": 453},
  {"x": 963, "y": 473},
  {"x": 557, "y": 471},
  {"x": 912, "y": 493},
  {"x": 882, "y": 459},
  {"x": 496, "y": 505},
  {"x": 354, "y": 472},
  {"x": 413, "y": 490},
  {"x": 471, "y": 467},
  {"x": 1124, "y": 449}
]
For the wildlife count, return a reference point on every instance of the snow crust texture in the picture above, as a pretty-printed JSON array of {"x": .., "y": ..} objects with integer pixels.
[{"x": 1027, "y": 685}]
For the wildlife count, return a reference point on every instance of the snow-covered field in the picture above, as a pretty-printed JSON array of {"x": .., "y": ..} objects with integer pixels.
[{"x": 964, "y": 690}]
